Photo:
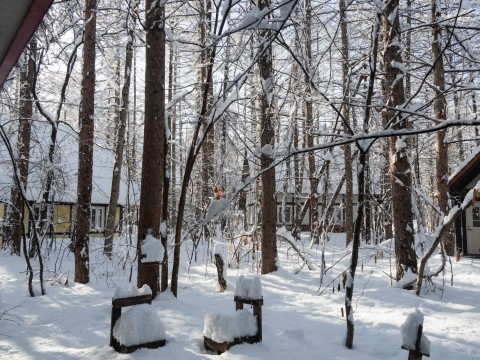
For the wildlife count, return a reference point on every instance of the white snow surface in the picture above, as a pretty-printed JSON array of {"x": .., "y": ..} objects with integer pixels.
[
  {"x": 300, "y": 320},
  {"x": 249, "y": 287},
  {"x": 409, "y": 331},
  {"x": 139, "y": 324},
  {"x": 152, "y": 248},
  {"x": 226, "y": 327},
  {"x": 122, "y": 292}
]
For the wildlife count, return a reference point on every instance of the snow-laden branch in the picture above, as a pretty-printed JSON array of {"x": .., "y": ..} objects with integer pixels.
[{"x": 441, "y": 230}]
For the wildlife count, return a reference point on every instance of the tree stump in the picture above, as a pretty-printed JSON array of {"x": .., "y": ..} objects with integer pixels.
[{"x": 221, "y": 280}]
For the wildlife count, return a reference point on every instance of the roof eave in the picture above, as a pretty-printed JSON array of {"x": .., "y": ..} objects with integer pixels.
[{"x": 33, "y": 17}]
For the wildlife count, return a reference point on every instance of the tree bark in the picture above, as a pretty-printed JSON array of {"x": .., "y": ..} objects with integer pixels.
[
  {"x": 347, "y": 150},
  {"x": 312, "y": 177},
  {"x": 154, "y": 157},
  {"x": 85, "y": 146},
  {"x": 267, "y": 138},
  {"x": 440, "y": 114},
  {"x": 119, "y": 146},
  {"x": 23, "y": 148},
  {"x": 400, "y": 169}
]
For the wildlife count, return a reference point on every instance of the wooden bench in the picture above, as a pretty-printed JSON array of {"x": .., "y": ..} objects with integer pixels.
[
  {"x": 257, "y": 312},
  {"x": 117, "y": 305}
]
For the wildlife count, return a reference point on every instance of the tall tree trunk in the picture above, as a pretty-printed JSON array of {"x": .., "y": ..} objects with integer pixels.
[
  {"x": 267, "y": 138},
  {"x": 440, "y": 113},
  {"x": 312, "y": 176},
  {"x": 208, "y": 147},
  {"x": 85, "y": 146},
  {"x": 347, "y": 150},
  {"x": 27, "y": 71},
  {"x": 400, "y": 168},
  {"x": 154, "y": 156},
  {"x": 119, "y": 146}
]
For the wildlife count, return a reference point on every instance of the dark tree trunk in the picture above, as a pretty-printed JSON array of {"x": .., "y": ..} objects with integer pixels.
[
  {"x": 440, "y": 113},
  {"x": 23, "y": 148},
  {"x": 346, "y": 115},
  {"x": 154, "y": 156},
  {"x": 309, "y": 129},
  {"x": 269, "y": 208},
  {"x": 85, "y": 146},
  {"x": 119, "y": 146},
  {"x": 400, "y": 169}
]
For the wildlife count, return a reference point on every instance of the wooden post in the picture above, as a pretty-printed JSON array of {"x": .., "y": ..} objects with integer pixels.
[
  {"x": 221, "y": 280},
  {"x": 257, "y": 311},
  {"x": 116, "y": 313},
  {"x": 416, "y": 354}
]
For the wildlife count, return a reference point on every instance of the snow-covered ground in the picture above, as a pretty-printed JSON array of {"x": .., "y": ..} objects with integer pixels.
[{"x": 300, "y": 319}]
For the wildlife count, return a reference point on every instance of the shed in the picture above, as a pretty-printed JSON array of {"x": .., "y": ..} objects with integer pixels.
[{"x": 467, "y": 226}]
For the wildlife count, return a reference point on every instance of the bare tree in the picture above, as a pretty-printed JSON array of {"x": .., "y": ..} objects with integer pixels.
[
  {"x": 16, "y": 206},
  {"x": 85, "y": 146},
  {"x": 267, "y": 138},
  {"x": 400, "y": 169},
  {"x": 119, "y": 145},
  {"x": 154, "y": 156}
]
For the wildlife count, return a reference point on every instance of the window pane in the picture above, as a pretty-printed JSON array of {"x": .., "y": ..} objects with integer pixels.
[{"x": 476, "y": 216}]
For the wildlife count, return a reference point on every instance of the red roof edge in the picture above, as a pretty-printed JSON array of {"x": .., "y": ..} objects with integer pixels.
[
  {"x": 460, "y": 174},
  {"x": 32, "y": 19}
]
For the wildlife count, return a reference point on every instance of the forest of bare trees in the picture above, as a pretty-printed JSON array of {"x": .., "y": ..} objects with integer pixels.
[{"x": 350, "y": 114}]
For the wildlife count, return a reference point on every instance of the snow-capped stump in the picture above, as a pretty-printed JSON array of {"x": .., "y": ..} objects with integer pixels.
[
  {"x": 413, "y": 338},
  {"x": 128, "y": 332},
  {"x": 221, "y": 332}
]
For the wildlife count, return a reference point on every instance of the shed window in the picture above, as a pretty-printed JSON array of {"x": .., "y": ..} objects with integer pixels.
[{"x": 476, "y": 216}]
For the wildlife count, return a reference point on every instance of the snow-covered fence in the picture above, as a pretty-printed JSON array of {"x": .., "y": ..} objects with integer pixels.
[
  {"x": 221, "y": 332},
  {"x": 413, "y": 338},
  {"x": 140, "y": 326}
]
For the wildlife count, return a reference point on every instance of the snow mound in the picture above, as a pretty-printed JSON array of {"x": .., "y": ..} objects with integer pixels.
[
  {"x": 152, "y": 249},
  {"x": 409, "y": 331},
  {"x": 249, "y": 288},
  {"x": 139, "y": 325},
  {"x": 223, "y": 328},
  {"x": 132, "y": 290}
]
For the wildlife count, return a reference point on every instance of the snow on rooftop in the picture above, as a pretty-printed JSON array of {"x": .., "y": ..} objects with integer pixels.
[
  {"x": 409, "y": 331},
  {"x": 140, "y": 324},
  {"x": 464, "y": 163},
  {"x": 122, "y": 292},
  {"x": 152, "y": 249},
  {"x": 249, "y": 287},
  {"x": 222, "y": 327}
]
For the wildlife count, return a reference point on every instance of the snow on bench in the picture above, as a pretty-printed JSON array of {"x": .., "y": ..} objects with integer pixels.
[
  {"x": 139, "y": 326},
  {"x": 221, "y": 332},
  {"x": 225, "y": 327}
]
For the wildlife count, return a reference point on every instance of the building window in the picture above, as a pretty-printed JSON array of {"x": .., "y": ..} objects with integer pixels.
[
  {"x": 284, "y": 216},
  {"x": 37, "y": 209},
  {"x": 476, "y": 216},
  {"x": 97, "y": 218}
]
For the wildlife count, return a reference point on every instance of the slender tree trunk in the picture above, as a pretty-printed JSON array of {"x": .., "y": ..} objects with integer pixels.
[
  {"x": 119, "y": 146},
  {"x": 347, "y": 150},
  {"x": 267, "y": 138},
  {"x": 208, "y": 147},
  {"x": 440, "y": 113},
  {"x": 23, "y": 148},
  {"x": 400, "y": 168},
  {"x": 154, "y": 157},
  {"x": 85, "y": 146},
  {"x": 309, "y": 128}
]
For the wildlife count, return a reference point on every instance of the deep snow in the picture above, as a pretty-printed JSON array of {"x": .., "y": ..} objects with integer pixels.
[{"x": 300, "y": 319}]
